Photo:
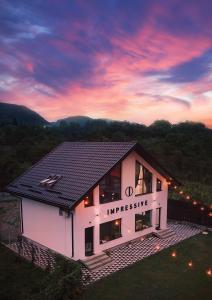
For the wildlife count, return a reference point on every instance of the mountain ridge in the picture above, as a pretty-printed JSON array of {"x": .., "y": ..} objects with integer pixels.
[{"x": 19, "y": 115}]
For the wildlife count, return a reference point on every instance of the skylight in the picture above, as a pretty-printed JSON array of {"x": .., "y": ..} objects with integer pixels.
[{"x": 50, "y": 180}]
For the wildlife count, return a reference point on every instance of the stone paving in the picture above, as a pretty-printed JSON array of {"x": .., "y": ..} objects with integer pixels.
[{"x": 128, "y": 254}]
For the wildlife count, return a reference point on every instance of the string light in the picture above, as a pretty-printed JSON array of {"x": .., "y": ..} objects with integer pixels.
[
  {"x": 175, "y": 187},
  {"x": 209, "y": 272},
  {"x": 190, "y": 264},
  {"x": 188, "y": 197},
  {"x": 157, "y": 247},
  {"x": 181, "y": 192},
  {"x": 194, "y": 202},
  {"x": 202, "y": 208},
  {"x": 173, "y": 254},
  {"x": 210, "y": 214}
]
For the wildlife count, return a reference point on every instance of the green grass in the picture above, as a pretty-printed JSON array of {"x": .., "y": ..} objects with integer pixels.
[
  {"x": 157, "y": 277},
  {"x": 18, "y": 278},
  {"x": 161, "y": 276}
]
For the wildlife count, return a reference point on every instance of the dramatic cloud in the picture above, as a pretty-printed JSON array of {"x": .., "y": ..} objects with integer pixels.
[{"x": 120, "y": 59}]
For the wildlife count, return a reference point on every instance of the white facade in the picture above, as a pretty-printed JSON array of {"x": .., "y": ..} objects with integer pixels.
[{"x": 43, "y": 224}]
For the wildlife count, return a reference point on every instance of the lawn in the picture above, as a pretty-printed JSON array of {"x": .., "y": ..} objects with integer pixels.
[
  {"x": 18, "y": 279},
  {"x": 157, "y": 277},
  {"x": 162, "y": 276}
]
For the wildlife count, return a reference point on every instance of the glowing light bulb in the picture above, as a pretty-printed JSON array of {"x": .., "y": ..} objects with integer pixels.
[
  {"x": 174, "y": 254},
  {"x": 181, "y": 192},
  {"x": 202, "y": 208},
  {"x": 209, "y": 272},
  {"x": 210, "y": 214},
  {"x": 175, "y": 187},
  {"x": 194, "y": 202},
  {"x": 86, "y": 202},
  {"x": 190, "y": 264},
  {"x": 157, "y": 247},
  {"x": 187, "y": 197},
  {"x": 116, "y": 222}
]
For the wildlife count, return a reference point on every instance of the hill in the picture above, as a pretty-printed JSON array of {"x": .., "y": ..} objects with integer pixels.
[
  {"x": 74, "y": 119},
  {"x": 20, "y": 115},
  {"x": 80, "y": 120}
]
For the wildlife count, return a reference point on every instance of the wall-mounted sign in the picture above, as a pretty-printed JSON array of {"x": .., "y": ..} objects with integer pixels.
[
  {"x": 126, "y": 207},
  {"x": 129, "y": 191}
]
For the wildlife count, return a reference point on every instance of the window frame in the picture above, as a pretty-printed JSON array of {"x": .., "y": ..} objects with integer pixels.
[
  {"x": 112, "y": 222},
  {"x": 90, "y": 202},
  {"x": 160, "y": 189},
  {"x": 120, "y": 188},
  {"x": 142, "y": 179},
  {"x": 149, "y": 210}
]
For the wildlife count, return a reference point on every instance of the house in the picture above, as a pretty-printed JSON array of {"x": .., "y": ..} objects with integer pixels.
[{"x": 85, "y": 197}]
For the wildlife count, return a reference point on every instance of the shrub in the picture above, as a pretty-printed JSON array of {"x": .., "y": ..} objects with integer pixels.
[{"x": 63, "y": 282}]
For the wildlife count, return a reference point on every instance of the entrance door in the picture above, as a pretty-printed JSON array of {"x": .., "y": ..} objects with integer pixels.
[
  {"x": 158, "y": 215},
  {"x": 89, "y": 241}
]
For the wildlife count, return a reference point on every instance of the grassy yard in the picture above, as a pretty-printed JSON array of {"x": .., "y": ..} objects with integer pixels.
[
  {"x": 157, "y": 277},
  {"x": 18, "y": 278},
  {"x": 162, "y": 277}
]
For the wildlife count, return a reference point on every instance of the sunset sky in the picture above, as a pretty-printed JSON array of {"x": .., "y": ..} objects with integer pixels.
[{"x": 126, "y": 60}]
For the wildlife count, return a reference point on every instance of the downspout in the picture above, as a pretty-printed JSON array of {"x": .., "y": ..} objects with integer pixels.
[{"x": 72, "y": 233}]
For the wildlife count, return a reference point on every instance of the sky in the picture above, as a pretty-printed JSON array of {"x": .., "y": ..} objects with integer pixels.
[{"x": 132, "y": 60}]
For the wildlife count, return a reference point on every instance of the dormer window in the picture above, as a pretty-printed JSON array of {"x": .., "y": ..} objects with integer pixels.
[
  {"x": 50, "y": 180},
  {"x": 88, "y": 199}
]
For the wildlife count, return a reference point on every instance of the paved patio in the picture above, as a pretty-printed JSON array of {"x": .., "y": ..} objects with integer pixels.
[{"x": 128, "y": 254}]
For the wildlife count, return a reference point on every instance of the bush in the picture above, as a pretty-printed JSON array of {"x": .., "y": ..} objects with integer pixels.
[{"x": 63, "y": 283}]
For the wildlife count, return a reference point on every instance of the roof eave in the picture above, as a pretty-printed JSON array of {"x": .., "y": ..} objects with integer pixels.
[{"x": 23, "y": 195}]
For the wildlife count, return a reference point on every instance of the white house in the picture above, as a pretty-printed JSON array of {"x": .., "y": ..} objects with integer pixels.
[{"x": 85, "y": 197}]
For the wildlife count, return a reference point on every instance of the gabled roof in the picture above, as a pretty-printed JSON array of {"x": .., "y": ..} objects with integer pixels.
[{"x": 81, "y": 164}]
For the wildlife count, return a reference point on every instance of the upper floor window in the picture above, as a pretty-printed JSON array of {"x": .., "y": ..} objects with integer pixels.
[
  {"x": 88, "y": 199},
  {"x": 110, "y": 186},
  {"x": 159, "y": 185},
  {"x": 143, "y": 180}
]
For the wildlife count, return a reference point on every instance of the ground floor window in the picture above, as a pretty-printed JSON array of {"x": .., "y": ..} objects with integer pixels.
[
  {"x": 143, "y": 220},
  {"x": 110, "y": 231}
]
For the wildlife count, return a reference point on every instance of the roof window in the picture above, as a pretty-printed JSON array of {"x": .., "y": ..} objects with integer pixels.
[{"x": 50, "y": 180}]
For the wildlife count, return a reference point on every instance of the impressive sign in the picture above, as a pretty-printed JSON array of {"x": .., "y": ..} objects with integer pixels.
[{"x": 126, "y": 207}]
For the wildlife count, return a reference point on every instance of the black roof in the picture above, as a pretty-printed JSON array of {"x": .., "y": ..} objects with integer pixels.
[{"x": 81, "y": 164}]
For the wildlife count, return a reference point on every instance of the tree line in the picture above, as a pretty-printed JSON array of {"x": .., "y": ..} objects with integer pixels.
[{"x": 184, "y": 149}]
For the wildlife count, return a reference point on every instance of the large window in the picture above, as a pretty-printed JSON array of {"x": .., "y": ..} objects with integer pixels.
[
  {"x": 110, "y": 186},
  {"x": 143, "y": 220},
  {"x": 110, "y": 231},
  {"x": 143, "y": 180}
]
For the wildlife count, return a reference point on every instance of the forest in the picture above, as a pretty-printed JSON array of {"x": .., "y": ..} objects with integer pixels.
[{"x": 184, "y": 149}]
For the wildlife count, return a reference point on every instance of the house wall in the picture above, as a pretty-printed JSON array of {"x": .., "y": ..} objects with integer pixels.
[
  {"x": 94, "y": 215},
  {"x": 43, "y": 224}
]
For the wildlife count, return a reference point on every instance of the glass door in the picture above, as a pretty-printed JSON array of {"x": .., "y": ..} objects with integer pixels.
[
  {"x": 158, "y": 215},
  {"x": 89, "y": 241}
]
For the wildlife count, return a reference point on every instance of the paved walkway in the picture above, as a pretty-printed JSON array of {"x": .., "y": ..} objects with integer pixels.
[{"x": 128, "y": 254}]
